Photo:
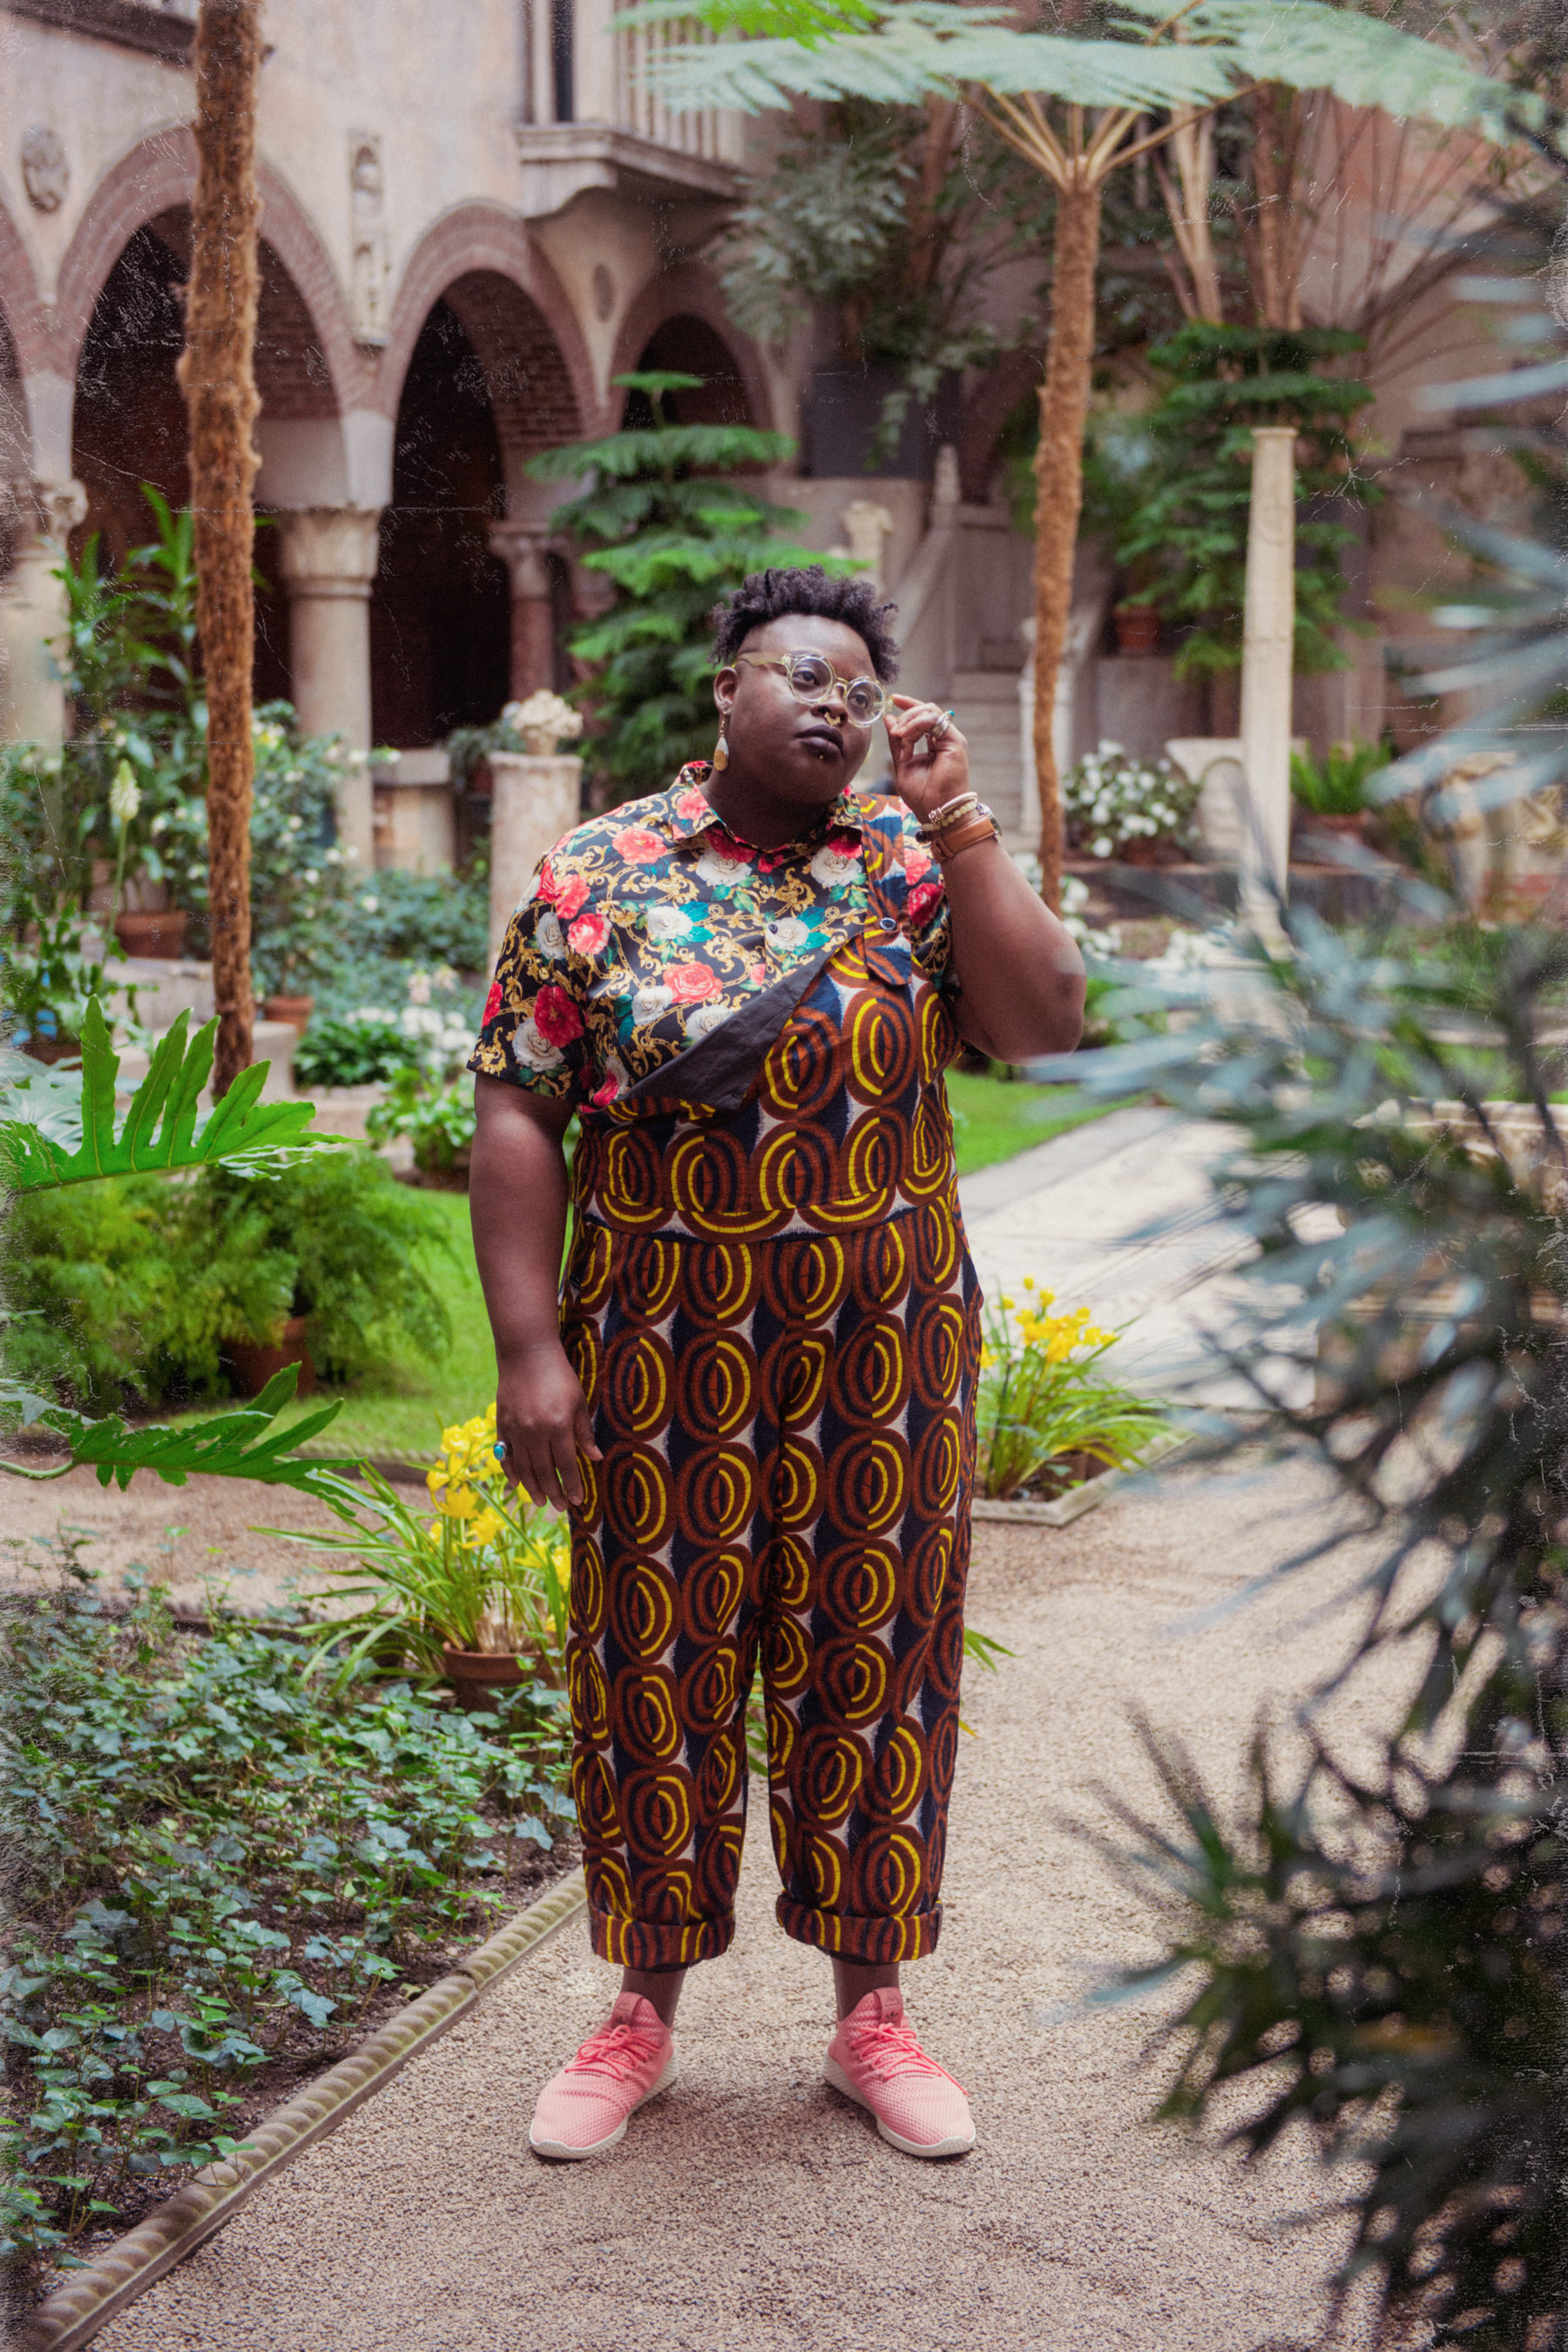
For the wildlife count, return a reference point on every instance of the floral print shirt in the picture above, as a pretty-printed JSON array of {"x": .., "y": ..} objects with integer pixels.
[{"x": 643, "y": 929}]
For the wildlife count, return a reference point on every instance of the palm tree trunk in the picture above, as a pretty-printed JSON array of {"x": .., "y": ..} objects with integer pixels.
[
  {"x": 217, "y": 372},
  {"x": 1058, "y": 477}
]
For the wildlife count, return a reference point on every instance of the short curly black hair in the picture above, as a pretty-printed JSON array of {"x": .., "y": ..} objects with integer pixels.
[{"x": 806, "y": 589}]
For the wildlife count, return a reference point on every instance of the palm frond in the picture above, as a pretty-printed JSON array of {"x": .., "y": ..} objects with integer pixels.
[
  {"x": 917, "y": 51},
  {"x": 41, "y": 1145}
]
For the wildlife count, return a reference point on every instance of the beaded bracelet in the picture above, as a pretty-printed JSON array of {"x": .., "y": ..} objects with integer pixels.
[{"x": 950, "y": 813}]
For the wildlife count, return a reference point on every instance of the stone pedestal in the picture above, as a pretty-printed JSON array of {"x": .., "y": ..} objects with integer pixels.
[
  {"x": 329, "y": 559},
  {"x": 521, "y": 548},
  {"x": 33, "y": 614},
  {"x": 415, "y": 820},
  {"x": 1267, "y": 660},
  {"x": 534, "y": 802}
]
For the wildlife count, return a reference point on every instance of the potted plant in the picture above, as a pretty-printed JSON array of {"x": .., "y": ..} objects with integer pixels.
[
  {"x": 476, "y": 1596},
  {"x": 47, "y": 975},
  {"x": 438, "y": 1122},
  {"x": 1329, "y": 795},
  {"x": 542, "y": 723},
  {"x": 1138, "y": 810}
]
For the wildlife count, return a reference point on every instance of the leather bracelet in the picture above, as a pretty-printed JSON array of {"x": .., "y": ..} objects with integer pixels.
[{"x": 945, "y": 846}]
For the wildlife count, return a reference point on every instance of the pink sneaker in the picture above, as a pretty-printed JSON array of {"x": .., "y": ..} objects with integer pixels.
[
  {"x": 584, "y": 2109},
  {"x": 876, "y": 2059}
]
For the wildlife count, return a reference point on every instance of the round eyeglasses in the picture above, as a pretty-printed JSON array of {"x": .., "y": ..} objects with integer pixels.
[{"x": 811, "y": 678}]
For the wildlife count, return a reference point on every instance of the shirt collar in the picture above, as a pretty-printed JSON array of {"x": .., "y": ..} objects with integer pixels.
[{"x": 850, "y": 812}]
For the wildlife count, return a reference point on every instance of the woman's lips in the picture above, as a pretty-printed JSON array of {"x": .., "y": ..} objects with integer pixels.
[{"x": 823, "y": 739}]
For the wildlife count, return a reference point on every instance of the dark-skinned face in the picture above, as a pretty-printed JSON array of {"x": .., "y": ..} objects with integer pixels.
[{"x": 788, "y": 752}]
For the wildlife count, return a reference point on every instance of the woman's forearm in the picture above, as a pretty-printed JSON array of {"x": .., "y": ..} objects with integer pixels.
[
  {"x": 517, "y": 1203},
  {"x": 1021, "y": 973}
]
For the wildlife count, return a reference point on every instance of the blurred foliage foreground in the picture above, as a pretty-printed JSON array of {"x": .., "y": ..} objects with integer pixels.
[{"x": 1382, "y": 1954}]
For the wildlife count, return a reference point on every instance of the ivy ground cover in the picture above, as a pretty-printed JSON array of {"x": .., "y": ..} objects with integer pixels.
[{"x": 223, "y": 1871}]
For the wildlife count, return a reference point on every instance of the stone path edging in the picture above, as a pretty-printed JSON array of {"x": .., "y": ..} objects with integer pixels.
[{"x": 94, "y": 2296}]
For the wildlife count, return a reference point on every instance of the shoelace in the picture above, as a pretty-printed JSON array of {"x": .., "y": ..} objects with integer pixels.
[
  {"x": 618, "y": 2050},
  {"x": 892, "y": 2050}
]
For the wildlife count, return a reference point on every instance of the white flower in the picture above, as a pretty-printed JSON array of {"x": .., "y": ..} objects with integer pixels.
[
  {"x": 124, "y": 793},
  {"x": 787, "y": 933},
  {"x": 531, "y": 1047},
  {"x": 159, "y": 821},
  {"x": 420, "y": 988},
  {"x": 544, "y": 720},
  {"x": 1102, "y": 846},
  {"x": 444, "y": 978},
  {"x": 311, "y": 876},
  {"x": 666, "y": 923},
  {"x": 292, "y": 824},
  {"x": 549, "y": 937},
  {"x": 649, "y": 1002},
  {"x": 722, "y": 872},
  {"x": 832, "y": 867},
  {"x": 706, "y": 1019},
  {"x": 371, "y": 906}
]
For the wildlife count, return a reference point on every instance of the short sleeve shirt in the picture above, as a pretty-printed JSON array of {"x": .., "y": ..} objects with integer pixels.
[{"x": 643, "y": 929}]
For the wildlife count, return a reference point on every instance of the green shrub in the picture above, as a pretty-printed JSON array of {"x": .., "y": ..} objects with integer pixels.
[
  {"x": 130, "y": 1293},
  {"x": 358, "y": 1050},
  {"x": 421, "y": 918}
]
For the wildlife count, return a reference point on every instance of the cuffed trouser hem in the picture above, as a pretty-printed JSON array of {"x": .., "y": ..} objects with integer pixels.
[
  {"x": 643, "y": 1944},
  {"x": 847, "y": 1937}
]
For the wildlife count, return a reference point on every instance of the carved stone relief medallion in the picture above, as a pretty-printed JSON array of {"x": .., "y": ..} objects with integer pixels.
[{"x": 45, "y": 172}]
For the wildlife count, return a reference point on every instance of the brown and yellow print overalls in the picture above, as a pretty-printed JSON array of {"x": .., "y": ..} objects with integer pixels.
[{"x": 776, "y": 1322}]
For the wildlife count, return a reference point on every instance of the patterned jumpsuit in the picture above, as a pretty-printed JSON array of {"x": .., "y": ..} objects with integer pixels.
[{"x": 771, "y": 1309}]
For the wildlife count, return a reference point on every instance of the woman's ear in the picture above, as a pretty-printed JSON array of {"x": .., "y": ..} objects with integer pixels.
[{"x": 724, "y": 686}]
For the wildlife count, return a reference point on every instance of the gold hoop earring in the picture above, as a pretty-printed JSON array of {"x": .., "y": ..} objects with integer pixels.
[{"x": 721, "y": 753}]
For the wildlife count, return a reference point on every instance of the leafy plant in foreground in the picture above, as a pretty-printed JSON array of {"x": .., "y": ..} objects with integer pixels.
[{"x": 1380, "y": 1953}]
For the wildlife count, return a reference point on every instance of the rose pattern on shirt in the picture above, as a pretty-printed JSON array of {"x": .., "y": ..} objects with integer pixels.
[{"x": 643, "y": 929}]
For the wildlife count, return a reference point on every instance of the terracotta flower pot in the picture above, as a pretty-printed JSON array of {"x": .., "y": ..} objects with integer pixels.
[
  {"x": 477, "y": 1675},
  {"x": 1137, "y": 628},
  {"x": 254, "y": 1366},
  {"x": 52, "y": 1049},
  {"x": 153, "y": 934},
  {"x": 295, "y": 1010}
]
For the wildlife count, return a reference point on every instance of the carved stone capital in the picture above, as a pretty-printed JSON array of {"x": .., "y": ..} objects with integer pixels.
[
  {"x": 521, "y": 548},
  {"x": 329, "y": 551}
]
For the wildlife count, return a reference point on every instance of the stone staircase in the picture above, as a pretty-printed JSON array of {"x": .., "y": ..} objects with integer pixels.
[{"x": 985, "y": 705}]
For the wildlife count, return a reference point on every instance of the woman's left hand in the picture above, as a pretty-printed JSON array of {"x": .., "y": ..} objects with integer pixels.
[{"x": 925, "y": 773}]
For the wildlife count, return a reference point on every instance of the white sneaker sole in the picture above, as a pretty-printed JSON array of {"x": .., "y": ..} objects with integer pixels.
[
  {"x": 956, "y": 2143},
  {"x": 559, "y": 2153}
]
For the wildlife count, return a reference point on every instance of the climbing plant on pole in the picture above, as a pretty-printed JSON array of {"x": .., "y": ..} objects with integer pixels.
[
  {"x": 217, "y": 373},
  {"x": 1075, "y": 110}
]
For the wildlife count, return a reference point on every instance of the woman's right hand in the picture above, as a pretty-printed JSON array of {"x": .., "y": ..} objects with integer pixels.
[{"x": 542, "y": 1418}]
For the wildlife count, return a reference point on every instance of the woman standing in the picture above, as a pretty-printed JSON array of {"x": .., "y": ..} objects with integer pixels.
[{"x": 756, "y": 1395}]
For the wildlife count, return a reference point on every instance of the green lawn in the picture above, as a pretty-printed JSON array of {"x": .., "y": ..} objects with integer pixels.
[{"x": 397, "y": 1414}]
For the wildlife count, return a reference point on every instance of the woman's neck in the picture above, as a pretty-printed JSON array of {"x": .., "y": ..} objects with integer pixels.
[{"x": 764, "y": 819}]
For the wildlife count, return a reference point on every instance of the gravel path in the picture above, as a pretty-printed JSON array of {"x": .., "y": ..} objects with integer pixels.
[{"x": 752, "y": 2208}]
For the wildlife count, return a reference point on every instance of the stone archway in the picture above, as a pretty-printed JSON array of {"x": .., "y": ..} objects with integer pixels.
[
  {"x": 440, "y": 622},
  {"x": 493, "y": 371},
  {"x": 678, "y": 321}
]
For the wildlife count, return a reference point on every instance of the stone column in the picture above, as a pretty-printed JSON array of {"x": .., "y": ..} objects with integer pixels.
[
  {"x": 329, "y": 559},
  {"x": 1268, "y": 662},
  {"x": 522, "y": 549},
  {"x": 534, "y": 801},
  {"x": 33, "y": 611}
]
